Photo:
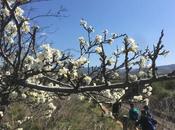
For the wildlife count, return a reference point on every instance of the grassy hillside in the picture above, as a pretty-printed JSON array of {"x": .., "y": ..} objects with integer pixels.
[
  {"x": 71, "y": 114},
  {"x": 164, "y": 89},
  {"x": 163, "y": 99}
]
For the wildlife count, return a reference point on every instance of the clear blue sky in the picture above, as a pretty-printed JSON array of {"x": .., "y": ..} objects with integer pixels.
[{"x": 141, "y": 19}]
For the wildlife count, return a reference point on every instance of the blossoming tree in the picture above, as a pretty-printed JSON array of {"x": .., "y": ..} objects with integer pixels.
[{"x": 47, "y": 73}]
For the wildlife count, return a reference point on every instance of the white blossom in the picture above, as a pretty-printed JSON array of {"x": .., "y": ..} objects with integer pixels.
[
  {"x": 19, "y": 129},
  {"x": 57, "y": 54},
  {"x": 74, "y": 74},
  {"x": 87, "y": 79},
  {"x": 130, "y": 40},
  {"x": 133, "y": 48},
  {"x": 11, "y": 29},
  {"x": 83, "y": 22},
  {"x": 48, "y": 53},
  {"x": 28, "y": 118},
  {"x": 94, "y": 84},
  {"x": 149, "y": 88},
  {"x": 19, "y": 121},
  {"x": 149, "y": 93},
  {"x": 77, "y": 63},
  {"x": 148, "y": 65},
  {"x": 81, "y": 97},
  {"x": 42, "y": 98},
  {"x": 7, "y": 73},
  {"x": 50, "y": 85},
  {"x": 52, "y": 106},
  {"x": 108, "y": 93},
  {"x": 98, "y": 50},
  {"x": 30, "y": 59},
  {"x": 9, "y": 40},
  {"x": 126, "y": 88},
  {"x": 1, "y": 114},
  {"x": 34, "y": 94},
  {"x": 117, "y": 95},
  {"x": 143, "y": 61},
  {"x": 14, "y": 94},
  {"x": 98, "y": 39},
  {"x": 146, "y": 100},
  {"x": 90, "y": 100},
  {"x": 133, "y": 44},
  {"x": 63, "y": 71},
  {"x": 109, "y": 83},
  {"x": 144, "y": 90},
  {"x": 146, "y": 85},
  {"x": 138, "y": 98},
  {"x": 123, "y": 91},
  {"x": 19, "y": 12},
  {"x": 103, "y": 80},
  {"x": 24, "y": 96},
  {"x": 26, "y": 27},
  {"x": 116, "y": 74},
  {"x": 82, "y": 60},
  {"x": 45, "y": 46},
  {"x": 40, "y": 56},
  {"x": 133, "y": 77},
  {"x": 90, "y": 29},
  {"x": 141, "y": 74},
  {"x": 5, "y": 12},
  {"x": 82, "y": 40}
]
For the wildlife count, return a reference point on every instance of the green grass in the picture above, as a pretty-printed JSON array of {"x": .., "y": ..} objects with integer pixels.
[
  {"x": 164, "y": 89},
  {"x": 72, "y": 114}
]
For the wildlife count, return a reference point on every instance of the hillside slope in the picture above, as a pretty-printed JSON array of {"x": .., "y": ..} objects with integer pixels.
[{"x": 71, "y": 114}]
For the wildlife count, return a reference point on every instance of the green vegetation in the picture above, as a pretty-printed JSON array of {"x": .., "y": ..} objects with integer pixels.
[
  {"x": 164, "y": 89},
  {"x": 163, "y": 99},
  {"x": 71, "y": 114}
]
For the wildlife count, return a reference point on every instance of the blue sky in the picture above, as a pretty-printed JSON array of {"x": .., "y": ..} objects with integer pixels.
[{"x": 141, "y": 19}]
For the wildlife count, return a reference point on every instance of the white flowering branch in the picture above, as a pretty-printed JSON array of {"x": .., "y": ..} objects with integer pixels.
[
  {"x": 97, "y": 88},
  {"x": 45, "y": 71}
]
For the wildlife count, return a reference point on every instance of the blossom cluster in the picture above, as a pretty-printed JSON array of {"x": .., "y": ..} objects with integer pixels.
[
  {"x": 145, "y": 94},
  {"x": 133, "y": 45},
  {"x": 115, "y": 94},
  {"x": 44, "y": 59},
  {"x": 41, "y": 97},
  {"x": 148, "y": 90},
  {"x": 1, "y": 114}
]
